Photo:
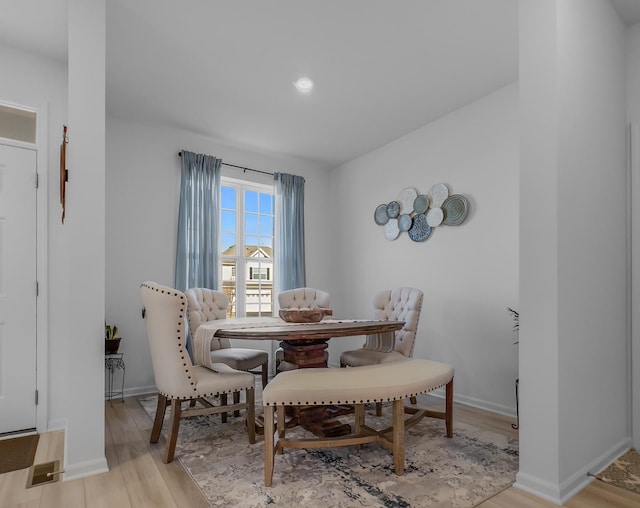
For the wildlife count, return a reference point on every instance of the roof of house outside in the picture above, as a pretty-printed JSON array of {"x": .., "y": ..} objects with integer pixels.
[{"x": 251, "y": 251}]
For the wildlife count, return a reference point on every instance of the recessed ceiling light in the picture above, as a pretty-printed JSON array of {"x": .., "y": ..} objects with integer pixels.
[{"x": 303, "y": 85}]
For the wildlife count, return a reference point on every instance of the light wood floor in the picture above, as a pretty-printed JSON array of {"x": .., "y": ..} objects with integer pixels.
[{"x": 137, "y": 476}]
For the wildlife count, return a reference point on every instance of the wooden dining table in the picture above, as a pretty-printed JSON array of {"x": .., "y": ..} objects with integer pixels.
[{"x": 304, "y": 347}]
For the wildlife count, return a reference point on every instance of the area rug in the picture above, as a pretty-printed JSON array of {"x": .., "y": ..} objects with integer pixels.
[
  {"x": 17, "y": 452},
  {"x": 624, "y": 472},
  {"x": 459, "y": 472}
]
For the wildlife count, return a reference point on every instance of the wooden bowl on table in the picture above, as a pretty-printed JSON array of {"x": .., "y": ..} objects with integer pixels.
[{"x": 304, "y": 315}]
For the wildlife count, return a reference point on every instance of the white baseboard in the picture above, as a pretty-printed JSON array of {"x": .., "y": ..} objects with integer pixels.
[
  {"x": 138, "y": 390},
  {"x": 53, "y": 425},
  {"x": 470, "y": 401},
  {"x": 562, "y": 492},
  {"x": 84, "y": 469}
]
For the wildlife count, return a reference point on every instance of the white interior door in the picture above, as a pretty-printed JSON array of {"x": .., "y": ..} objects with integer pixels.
[{"x": 17, "y": 289}]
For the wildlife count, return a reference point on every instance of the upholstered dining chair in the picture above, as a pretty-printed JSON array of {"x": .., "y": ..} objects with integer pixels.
[
  {"x": 177, "y": 379},
  {"x": 207, "y": 305},
  {"x": 301, "y": 298},
  {"x": 401, "y": 304}
]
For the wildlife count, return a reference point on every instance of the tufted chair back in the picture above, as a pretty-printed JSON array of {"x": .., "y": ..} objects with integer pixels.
[
  {"x": 304, "y": 298},
  {"x": 401, "y": 304},
  {"x": 165, "y": 309},
  {"x": 206, "y": 305}
]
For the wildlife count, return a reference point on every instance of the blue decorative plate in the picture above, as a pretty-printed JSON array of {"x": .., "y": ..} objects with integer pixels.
[
  {"x": 419, "y": 230},
  {"x": 380, "y": 216},
  {"x": 421, "y": 203},
  {"x": 456, "y": 209},
  {"x": 404, "y": 222},
  {"x": 393, "y": 209}
]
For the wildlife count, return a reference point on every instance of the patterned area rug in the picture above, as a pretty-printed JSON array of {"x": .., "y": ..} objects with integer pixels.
[
  {"x": 459, "y": 472},
  {"x": 624, "y": 472}
]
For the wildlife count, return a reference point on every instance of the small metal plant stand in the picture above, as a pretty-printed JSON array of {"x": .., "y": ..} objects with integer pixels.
[{"x": 112, "y": 363}]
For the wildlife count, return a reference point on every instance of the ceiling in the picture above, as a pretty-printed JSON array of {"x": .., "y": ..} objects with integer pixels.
[{"x": 225, "y": 69}]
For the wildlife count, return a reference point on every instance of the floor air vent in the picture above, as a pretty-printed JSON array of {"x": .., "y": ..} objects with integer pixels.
[{"x": 41, "y": 474}]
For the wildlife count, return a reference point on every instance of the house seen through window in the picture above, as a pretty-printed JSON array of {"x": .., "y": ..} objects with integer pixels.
[{"x": 246, "y": 243}]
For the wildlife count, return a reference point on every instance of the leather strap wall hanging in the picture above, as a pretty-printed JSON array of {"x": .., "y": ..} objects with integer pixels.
[{"x": 64, "y": 174}]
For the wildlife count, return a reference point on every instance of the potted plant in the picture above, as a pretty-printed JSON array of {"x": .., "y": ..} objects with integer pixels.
[{"x": 111, "y": 339}]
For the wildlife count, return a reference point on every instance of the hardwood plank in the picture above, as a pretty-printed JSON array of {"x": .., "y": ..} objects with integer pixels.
[
  {"x": 183, "y": 489},
  {"x": 144, "y": 483},
  {"x": 108, "y": 489}
]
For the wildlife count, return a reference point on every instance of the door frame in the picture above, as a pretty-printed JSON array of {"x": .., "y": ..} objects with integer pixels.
[
  {"x": 42, "y": 254},
  {"x": 42, "y": 249}
]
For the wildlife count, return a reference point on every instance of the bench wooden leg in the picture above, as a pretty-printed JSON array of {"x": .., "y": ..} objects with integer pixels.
[
  {"x": 161, "y": 409},
  {"x": 398, "y": 436},
  {"x": 378, "y": 408},
  {"x": 449, "y": 409},
  {"x": 223, "y": 402},
  {"x": 236, "y": 400},
  {"x": 269, "y": 446}
]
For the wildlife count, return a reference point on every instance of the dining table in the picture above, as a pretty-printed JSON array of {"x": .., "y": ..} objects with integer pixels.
[{"x": 304, "y": 346}]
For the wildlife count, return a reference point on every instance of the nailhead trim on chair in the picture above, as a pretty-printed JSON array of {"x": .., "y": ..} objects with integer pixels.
[{"x": 181, "y": 345}]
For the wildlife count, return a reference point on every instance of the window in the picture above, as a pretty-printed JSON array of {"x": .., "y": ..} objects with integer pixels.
[
  {"x": 17, "y": 123},
  {"x": 246, "y": 243}
]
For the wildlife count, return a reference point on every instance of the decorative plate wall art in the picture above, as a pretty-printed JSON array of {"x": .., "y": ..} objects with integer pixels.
[{"x": 419, "y": 214}]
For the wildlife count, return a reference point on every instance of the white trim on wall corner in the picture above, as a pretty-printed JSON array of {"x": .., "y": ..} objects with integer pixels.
[
  {"x": 560, "y": 493},
  {"x": 42, "y": 262},
  {"x": 634, "y": 276}
]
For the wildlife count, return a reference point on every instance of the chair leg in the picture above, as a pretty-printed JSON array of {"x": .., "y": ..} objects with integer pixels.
[
  {"x": 448, "y": 418},
  {"x": 174, "y": 425},
  {"x": 265, "y": 374},
  {"x": 161, "y": 409},
  {"x": 236, "y": 400},
  {"x": 398, "y": 436},
  {"x": 378, "y": 408},
  {"x": 281, "y": 426},
  {"x": 269, "y": 456},
  {"x": 413, "y": 400},
  {"x": 251, "y": 414}
]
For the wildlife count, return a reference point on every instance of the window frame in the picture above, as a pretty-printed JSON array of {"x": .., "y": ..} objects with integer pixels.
[{"x": 242, "y": 262}]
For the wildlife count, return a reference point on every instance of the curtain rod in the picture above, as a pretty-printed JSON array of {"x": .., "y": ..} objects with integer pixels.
[{"x": 240, "y": 167}]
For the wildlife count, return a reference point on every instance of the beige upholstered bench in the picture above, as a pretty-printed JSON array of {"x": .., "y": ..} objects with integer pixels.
[{"x": 356, "y": 386}]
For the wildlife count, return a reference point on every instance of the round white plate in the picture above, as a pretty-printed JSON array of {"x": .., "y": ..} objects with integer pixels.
[
  {"x": 434, "y": 217},
  {"x": 391, "y": 229},
  {"x": 406, "y": 199},
  {"x": 439, "y": 192}
]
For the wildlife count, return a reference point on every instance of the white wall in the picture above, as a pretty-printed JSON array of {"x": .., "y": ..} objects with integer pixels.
[
  {"x": 41, "y": 83},
  {"x": 633, "y": 108},
  {"x": 469, "y": 273},
  {"x": 573, "y": 293},
  {"x": 143, "y": 184}
]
